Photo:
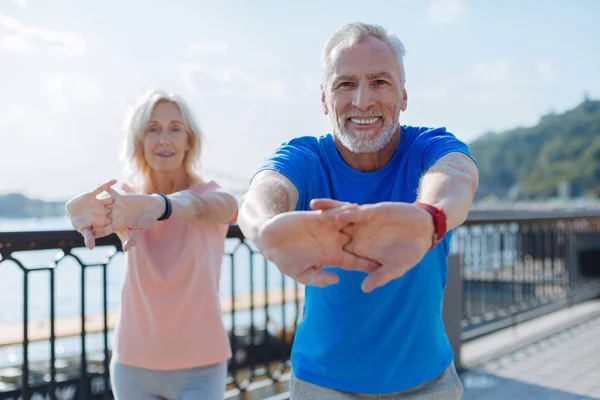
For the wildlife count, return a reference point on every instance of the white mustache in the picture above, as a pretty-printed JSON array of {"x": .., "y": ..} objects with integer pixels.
[{"x": 363, "y": 114}]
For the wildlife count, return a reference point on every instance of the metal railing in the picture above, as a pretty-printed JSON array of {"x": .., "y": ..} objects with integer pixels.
[
  {"x": 512, "y": 270},
  {"x": 254, "y": 298}
]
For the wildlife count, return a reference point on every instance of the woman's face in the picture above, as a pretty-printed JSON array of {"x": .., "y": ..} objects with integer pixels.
[{"x": 165, "y": 140}]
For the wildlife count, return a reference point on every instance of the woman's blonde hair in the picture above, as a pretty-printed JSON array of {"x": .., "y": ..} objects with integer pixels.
[{"x": 136, "y": 122}]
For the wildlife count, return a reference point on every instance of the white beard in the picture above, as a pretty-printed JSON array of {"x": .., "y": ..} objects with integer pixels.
[{"x": 367, "y": 142}]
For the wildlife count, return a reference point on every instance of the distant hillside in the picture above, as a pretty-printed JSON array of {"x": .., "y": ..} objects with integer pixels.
[
  {"x": 560, "y": 150},
  {"x": 16, "y": 205}
]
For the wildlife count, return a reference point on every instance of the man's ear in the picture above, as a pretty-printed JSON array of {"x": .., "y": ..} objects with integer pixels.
[
  {"x": 404, "y": 102},
  {"x": 323, "y": 101}
]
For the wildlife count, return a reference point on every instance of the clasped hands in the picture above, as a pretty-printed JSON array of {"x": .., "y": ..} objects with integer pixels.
[
  {"x": 104, "y": 211},
  {"x": 384, "y": 240}
]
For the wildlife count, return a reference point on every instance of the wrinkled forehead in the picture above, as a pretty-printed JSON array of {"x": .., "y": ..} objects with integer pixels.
[{"x": 367, "y": 58}]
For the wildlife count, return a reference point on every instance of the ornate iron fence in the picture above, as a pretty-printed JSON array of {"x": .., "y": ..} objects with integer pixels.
[{"x": 59, "y": 348}]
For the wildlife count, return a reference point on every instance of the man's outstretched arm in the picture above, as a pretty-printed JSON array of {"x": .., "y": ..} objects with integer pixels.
[
  {"x": 270, "y": 194},
  {"x": 451, "y": 184}
]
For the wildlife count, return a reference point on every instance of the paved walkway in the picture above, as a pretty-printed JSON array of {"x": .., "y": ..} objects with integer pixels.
[
  {"x": 555, "y": 357},
  {"x": 563, "y": 366}
]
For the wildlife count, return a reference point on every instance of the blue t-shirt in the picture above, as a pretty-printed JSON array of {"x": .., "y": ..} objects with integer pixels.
[{"x": 393, "y": 338}]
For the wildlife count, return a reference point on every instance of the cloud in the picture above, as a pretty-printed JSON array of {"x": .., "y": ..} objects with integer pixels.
[
  {"x": 228, "y": 81},
  {"x": 492, "y": 71},
  {"x": 203, "y": 47},
  {"x": 15, "y": 36},
  {"x": 545, "y": 70},
  {"x": 186, "y": 75},
  {"x": 16, "y": 43},
  {"x": 429, "y": 93},
  {"x": 503, "y": 72},
  {"x": 444, "y": 11},
  {"x": 495, "y": 81},
  {"x": 20, "y": 3},
  {"x": 488, "y": 81},
  {"x": 68, "y": 89},
  {"x": 14, "y": 113}
]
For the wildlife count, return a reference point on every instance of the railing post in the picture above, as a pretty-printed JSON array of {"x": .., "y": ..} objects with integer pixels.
[{"x": 452, "y": 311}]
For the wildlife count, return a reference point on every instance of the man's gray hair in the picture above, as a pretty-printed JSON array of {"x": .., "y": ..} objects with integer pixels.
[{"x": 355, "y": 32}]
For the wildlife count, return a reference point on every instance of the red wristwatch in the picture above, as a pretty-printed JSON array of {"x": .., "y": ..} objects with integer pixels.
[{"x": 439, "y": 222}]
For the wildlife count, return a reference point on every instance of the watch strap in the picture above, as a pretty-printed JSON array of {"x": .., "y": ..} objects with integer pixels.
[
  {"x": 439, "y": 222},
  {"x": 168, "y": 208}
]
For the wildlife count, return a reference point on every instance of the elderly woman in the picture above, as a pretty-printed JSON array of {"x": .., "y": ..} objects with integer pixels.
[{"x": 170, "y": 342}]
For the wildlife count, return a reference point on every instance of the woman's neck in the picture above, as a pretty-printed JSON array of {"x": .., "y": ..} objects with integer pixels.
[{"x": 169, "y": 182}]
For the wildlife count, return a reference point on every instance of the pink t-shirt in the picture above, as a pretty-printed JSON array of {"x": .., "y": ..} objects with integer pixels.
[{"x": 170, "y": 309}]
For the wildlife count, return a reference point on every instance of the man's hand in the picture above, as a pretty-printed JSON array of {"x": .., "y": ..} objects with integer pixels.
[
  {"x": 301, "y": 243},
  {"x": 132, "y": 215},
  {"x": 88, "y": 212},
  {"x": 397, "y": 235}
]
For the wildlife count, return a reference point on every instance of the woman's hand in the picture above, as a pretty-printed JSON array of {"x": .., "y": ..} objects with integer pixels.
[
  {"x": 88, "y": 213},
  {"x": 131, "y": 215}
]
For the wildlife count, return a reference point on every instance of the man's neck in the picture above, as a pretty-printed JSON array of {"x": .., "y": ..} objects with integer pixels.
[{"x": 368, "y": 162}]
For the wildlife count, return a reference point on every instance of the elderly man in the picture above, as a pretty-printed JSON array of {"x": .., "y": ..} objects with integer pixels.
[{"x": 363, "y": 218}]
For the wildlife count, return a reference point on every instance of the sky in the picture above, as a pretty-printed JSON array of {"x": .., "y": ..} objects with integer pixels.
[{"x": 250, "y": 71}]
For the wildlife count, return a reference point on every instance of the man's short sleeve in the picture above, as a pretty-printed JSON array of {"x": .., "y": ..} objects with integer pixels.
[
  {"x": 436, "y": 143},
  {"x": 296, "y": 160}
]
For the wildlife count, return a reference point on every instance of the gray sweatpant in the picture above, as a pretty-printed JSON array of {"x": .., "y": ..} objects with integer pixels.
[
  {"x": 132, "y": 383},
  {"x": 447, "y": 386}
]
